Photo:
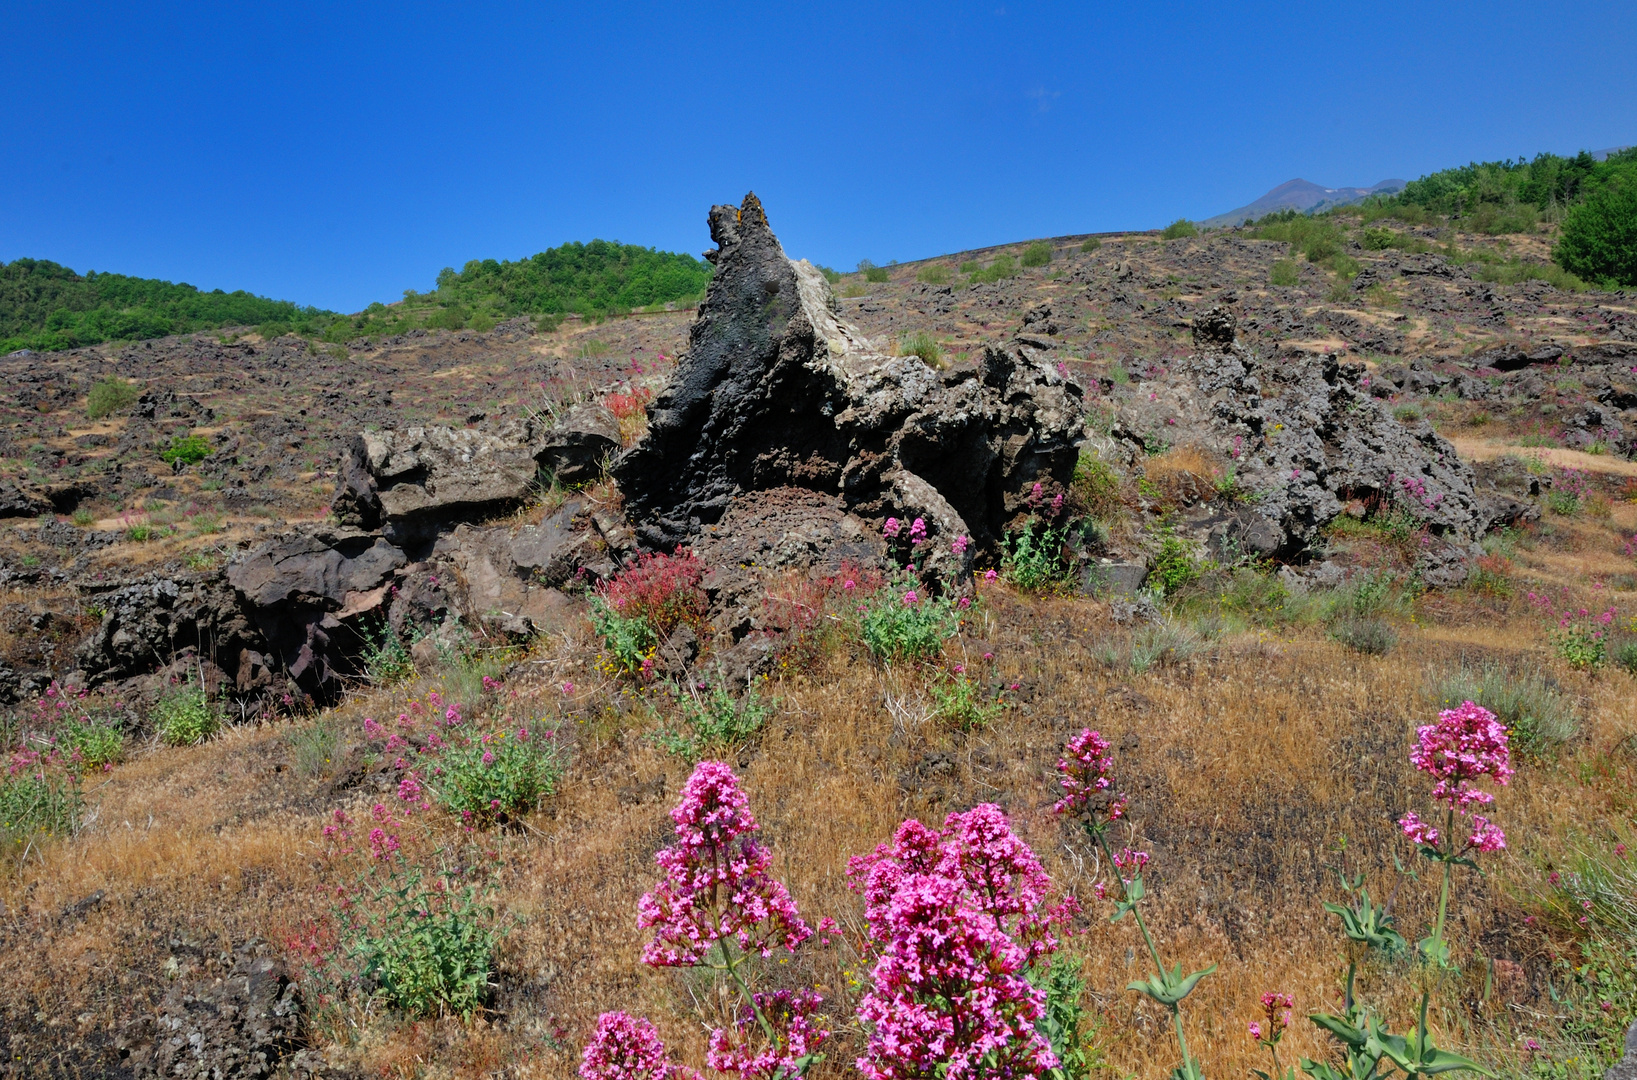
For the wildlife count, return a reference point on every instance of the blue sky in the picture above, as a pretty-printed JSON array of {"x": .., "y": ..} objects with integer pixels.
[{"x": 335, "y": 153}]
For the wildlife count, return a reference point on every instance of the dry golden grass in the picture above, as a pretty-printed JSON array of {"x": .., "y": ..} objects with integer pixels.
[{"x": 1254, "y": 770}]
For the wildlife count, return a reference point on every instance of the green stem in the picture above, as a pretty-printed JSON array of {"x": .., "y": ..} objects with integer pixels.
[
  {"x": 1443, "y": 890},
  {"x": 1148, "y": 939},
  {"x": 732, "y": 968}
]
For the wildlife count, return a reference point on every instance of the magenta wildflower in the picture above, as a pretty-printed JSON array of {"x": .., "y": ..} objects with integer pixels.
[
  {"x": 890, "y": 530},
  {"x": 1467, "y": 744},
  {"x": 627, "y": 1047},
  {"x": 910, "y": 598},
  {"x": 1085, "y": 767},
  {"x": 790, "y": 1013},
  {"x": 917, "y": 531},
  {"x": 717, "y": 881},
  {"x": 960, "y": 544}
]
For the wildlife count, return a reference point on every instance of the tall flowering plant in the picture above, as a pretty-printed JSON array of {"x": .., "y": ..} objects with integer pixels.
[
  {"x": 1086, "y": 777},
  {"x": 1467, "y": 745},
  {"x": 958, "y": 917},
  {"x": 718, "y": 905}
]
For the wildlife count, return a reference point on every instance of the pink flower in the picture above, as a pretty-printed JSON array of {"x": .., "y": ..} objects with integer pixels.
[
  {"x": 1084, "y": 771},
  {"x": 1619, "y": 851},
  {"x": 917, "y": 530},
  {"x": 1419, "y": 831},
  {"x": 849, "y": 585},
  {"x": 488, "y": 757},
  {"x": 963, "y": 603},
  {"x": 960, "y": 544},
  {"x": 1486, "y": 835},
  {"x": 625, "y": 1047},
  {"x": 717, "y": 881},
  {"x": 890, "y": 530},
  {"x": 1466, "y": 744},
  {"x": 796, "y": 1036},
  {"x": 989, "y": 575},
  {"x": 958, "y": 915},
  {"x": 568, "y": 688},
  {"x": 910, "y": 598},
  {"x": 1255, "y": 1030}
]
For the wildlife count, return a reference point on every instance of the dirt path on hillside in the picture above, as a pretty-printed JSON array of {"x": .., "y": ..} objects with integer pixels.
[{"x": 1487, "y": 449}]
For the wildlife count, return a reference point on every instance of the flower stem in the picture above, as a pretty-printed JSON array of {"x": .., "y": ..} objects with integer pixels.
[
  {"x": 1443, "y": 890},
  {"x": 732, "y": 968}
]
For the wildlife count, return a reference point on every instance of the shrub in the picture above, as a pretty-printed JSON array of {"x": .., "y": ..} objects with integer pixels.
[
  {"x": 1091, "y": 243},
  {"x": 1095, "y": 484},
  {"x": 1599, "y": 238},
  {"x": 1174, "y": 566},
  {"x": 110, "y": 395},
  {"x": 1377, "y": 239},
  {"x": 94, "y": 742},
  {"x": 385, "y": 657},
  {"x": 899, "y": 623},
  {"x": 1003, "y": 267},
  {"x": 832, "y": 276},
  {"x": 877, "y": 274},
  {"x": 628, "y": 644},
  {"x": 1407, "y": 414},
  {"x": 188, "y": 449},
  {"x": 186, "y": 716},
  {"x": 1284, "y": 272},
  {"x": 964, "y": 702},
  {"x": 924, "y": 345},
  {"x": 315, "y": 747},
  {"x": 934, "y": 274},
  {"x": 1033, "y": 558},
  {"x": 1178, "y": 229},
  {"x": 496, "y": 775},
  {"x": 39, "y": 797},
  {"x": 429, "y": 948},
  {"x": 1038, "y": 253},
  {"x": 1538, "y": 716},
  {"x": 1581, "y": 646},
  {"x": 661, "y": 589},
  {"x": 714, "y": 720},
  {"x": 1376, "y": 637},
  {"x": 1625, "y": 655}
]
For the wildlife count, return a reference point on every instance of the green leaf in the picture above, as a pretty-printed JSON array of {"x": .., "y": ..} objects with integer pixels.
[{"x": 1170, "y": 987}]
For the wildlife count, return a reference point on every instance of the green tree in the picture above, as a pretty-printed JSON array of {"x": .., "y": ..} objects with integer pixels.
[{"x": 1599, "y": 241}]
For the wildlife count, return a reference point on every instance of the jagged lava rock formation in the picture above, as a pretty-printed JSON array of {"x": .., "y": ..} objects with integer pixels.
[{"x": 777, "y": 390}]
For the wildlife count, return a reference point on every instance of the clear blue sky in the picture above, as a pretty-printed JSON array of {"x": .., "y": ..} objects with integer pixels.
[{"x": 335, "y": 153}]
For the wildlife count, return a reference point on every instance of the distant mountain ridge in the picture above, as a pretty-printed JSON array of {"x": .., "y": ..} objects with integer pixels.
[{"x": 1303, "y": 195}]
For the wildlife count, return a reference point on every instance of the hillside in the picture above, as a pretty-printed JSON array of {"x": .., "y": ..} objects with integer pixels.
[
  {"x": 45, "y": 307},
  {"x": 1301, "y": 195},
  {"x": 216, "y": 829}
]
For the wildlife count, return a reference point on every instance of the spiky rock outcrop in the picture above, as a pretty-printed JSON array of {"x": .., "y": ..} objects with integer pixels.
[{"x": 777, "y": 390}]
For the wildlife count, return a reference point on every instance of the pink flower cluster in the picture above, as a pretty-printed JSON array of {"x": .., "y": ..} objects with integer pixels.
[
  {"x": 791, "y": 1013},
  {"x": 1085, "y": 773},
  {"x": 957, "y": 915},
  {"x": 1467, "y": 744},
  {"x": 627, "y": 1047},
  {"x": 717, "y": 880}
]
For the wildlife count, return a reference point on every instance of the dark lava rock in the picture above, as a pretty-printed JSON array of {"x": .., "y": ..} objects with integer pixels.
[
  {"x": 578, "y": 445},
  {"x": 777, "y": 390},
  {"x": 225, "y": 1028},
  {"x": 1304, "y": 435}
]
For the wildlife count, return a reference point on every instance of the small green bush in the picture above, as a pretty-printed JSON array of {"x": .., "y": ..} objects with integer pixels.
[
  {"x": 971, "y": 266},
  {"x": 1038, "y": 253},
  {"x": 1407, "y": 413},
  {"x": 1033, "y": 559},
  {"x": 1599, "y": 237},
  {"x": 1376, "y": 637},
  {"x": 1284, "y": 272},
  {"x": 1156, "y": 644},
  {"x": 1174, "y": 567},
  {"x": 83, "y": 518},
  {"x": 315, "y": 746},
  {"x": 1624, "y": 654},
  {"x": 36, "y": 803},
  {"x": 1095, "y": 484},
  {"x": 832, "y": 276},
  {"x": 900, "y": 622},
  {"x": 427, "y": 948},
  {"x": 110, "y": 395},
  {"x": 873, "y": 272},
  {"x": 188, "y": 449},
  {"x": 924, "y": 345},
  {"x": 963, "y": 702},
  {"x": 496, "y": 775},
  {"x": 186, "y": 716},
  {"x": 1003, "y": 267},
  {"x": 934, "y": 274},
  {"x": 1178, "y": 229},
  {"x": 628, "y": 643},
  {"x": 713, "y": 720},
  {"x": 1538, "y": 716},
  {"x": 95, "y": 742},
  {"x": 1091, "y": 243},
  {"x": 385, "y": 657},
  {"x": 1377, "y": 239}
]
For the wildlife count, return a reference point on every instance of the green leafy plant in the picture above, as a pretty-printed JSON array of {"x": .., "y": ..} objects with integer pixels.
[
  {"x": 1178, "y": 229},
  {"x": 385, "y": 657},
  {"x": 1033, "y": 558},
  {"x": 1581, "y": 646},
  {"x": 1599, "y": 238},
  {"x": 316, "y": 746},
  {"x": 186, "y": 716},
  {"x": 39, "y": 798},
  {"x": 111, "y": 394},
  {"x": 497, "y": 775},
  {"x": 187, "y": 449},
  {"x": 1003, "y": 267},
  {"x": 714, "y": 720},
  {"x": 872, "y": 272},
  {"x": 1038, "y": 253},
  {"x": 1175, "y": 566},
  {"x": 94, "y": 742},
  {"x": 964, "y": 702},
  {"x": 1539, "y": 717},
  {"x": 1284, "y": 272},
  {"x": 628, "y": 643},
  {"x": 900, "y": 622},
  {"x": 1090, "y": 243},
  {"x": 1375, "y": 637},
  {"x": 934, "y": 274},
  {"x": 428, "y": 947},
  {"x": 1065, "y": 1023}
]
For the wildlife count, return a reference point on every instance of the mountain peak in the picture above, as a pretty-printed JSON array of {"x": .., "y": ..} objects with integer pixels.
[{"x": 1303, "y": 195}]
